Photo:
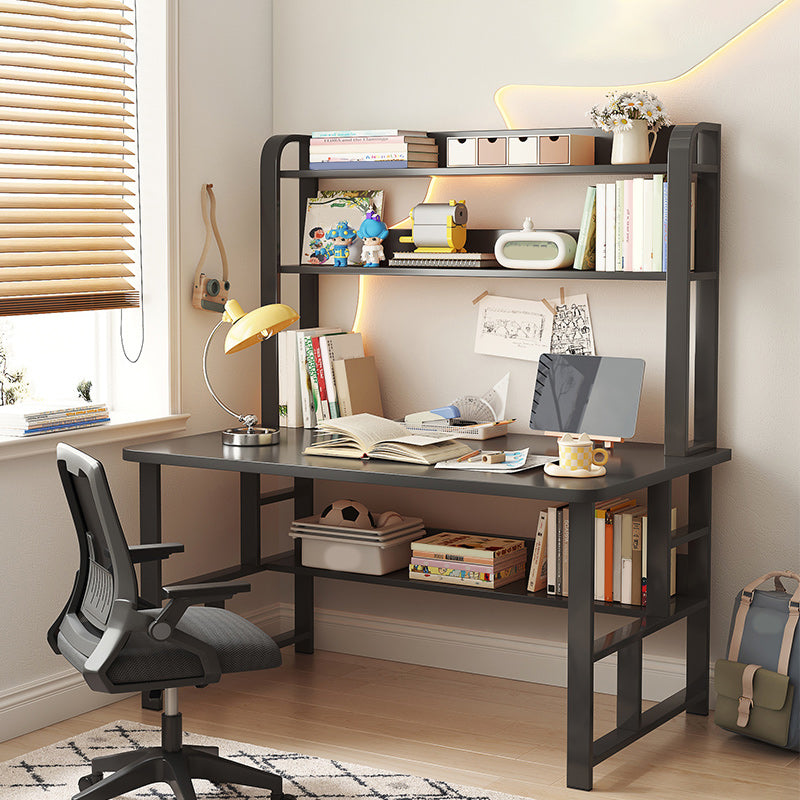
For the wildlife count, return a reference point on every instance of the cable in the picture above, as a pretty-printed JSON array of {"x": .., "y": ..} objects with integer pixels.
[{"x": 138, "y": 192}]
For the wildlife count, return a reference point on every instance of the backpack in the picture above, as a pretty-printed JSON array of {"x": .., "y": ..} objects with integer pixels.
[{"x": 758, "y": 685}]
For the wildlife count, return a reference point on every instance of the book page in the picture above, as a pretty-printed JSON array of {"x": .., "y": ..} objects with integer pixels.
[{"x": 366, "y": 430}]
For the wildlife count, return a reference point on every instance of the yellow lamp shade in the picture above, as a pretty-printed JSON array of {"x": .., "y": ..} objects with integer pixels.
[{"x": 256, "y": 325}]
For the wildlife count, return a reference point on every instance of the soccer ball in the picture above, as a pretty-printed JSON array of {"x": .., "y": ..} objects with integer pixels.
[{"x": 347, "y": 514}]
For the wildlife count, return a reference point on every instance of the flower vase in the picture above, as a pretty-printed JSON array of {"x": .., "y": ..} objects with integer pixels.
[{"x": 631, "y": 146}]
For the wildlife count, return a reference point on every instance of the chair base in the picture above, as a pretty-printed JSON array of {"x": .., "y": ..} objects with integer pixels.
[{"x": 138, "y": 768}]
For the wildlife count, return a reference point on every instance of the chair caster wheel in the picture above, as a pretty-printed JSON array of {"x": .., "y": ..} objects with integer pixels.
[{"x": 91, "y": 779}]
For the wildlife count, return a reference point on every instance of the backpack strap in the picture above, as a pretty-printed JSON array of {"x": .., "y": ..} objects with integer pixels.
[
  {"x": 746, "y": 697},
  {"x": 210, "y": 221},
  {"x": 746, "y": 599}
]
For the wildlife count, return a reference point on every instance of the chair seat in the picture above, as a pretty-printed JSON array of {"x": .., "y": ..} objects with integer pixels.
[{"x": 240, "y": 647}]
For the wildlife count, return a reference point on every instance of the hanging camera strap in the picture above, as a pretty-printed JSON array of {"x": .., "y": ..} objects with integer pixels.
[{"x": 208, "y": 204}]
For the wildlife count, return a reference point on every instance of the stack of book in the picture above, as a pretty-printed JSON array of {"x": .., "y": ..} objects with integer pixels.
[
  {"x": 27, "y": 419},
  {"x": 390, "y": 148},
  {"x": 468, "y": 560},
  {"x": 323, "y": 374},
  {"x": 628, "y": 221},
  {"x": 620, "y": 551}
]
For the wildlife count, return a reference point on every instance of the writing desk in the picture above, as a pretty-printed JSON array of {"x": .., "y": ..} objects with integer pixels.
[{"x": 631, "y": 467}]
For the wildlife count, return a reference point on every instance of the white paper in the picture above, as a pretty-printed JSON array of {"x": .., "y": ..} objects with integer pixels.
[
  {"x": 572, "y": 326},
  {"x": 516, "y": 461},
  {"x": 513, "y": 328}
]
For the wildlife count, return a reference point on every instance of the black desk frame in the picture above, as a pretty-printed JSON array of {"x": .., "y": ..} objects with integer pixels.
[{"x": 633, "y": 467}]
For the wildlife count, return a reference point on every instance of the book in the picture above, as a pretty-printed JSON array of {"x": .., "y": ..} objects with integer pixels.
[
  {"x": 565, "y": 551},
  {"x": 627, "y": 556},
  {"x": 389, "y": 156},
  {"x": 470, "y": 566},
  {"x": 611, "y": 227},
  {"x": 658, "y": 223},
  {"x": 560, "y": 549},
  {"x": 636, "y": 560},
  {"x": 318, "y": 378},
  {"x": 467, "y": 545},
  {"x": 359, "y": 141},
  {"x": 619, "y": 224},
  {"x": 648, "y": 226},
  {"x": 468, "y": 577},
  {"x": 414, "y": 259},
  {"x": 79, "y": 422},
  {"x": 627, "y": 225},
  {"x": 370, "y": 436},
  {"x": 357, "y": 388},
  {"x": 604, "y": 546},
  {"x": 585, "y": 252},
  {"x": 396, "y": 149},
  {"x": 326, "y": 210},
  {"x": 26, "y": 414},
  {"x": 537, "y": 576},
  {"x": 370, "y": 132},
  {"x": 664, "y": 227},
  {"x": 306, "y": 369},
  {"x": 600, "y": 227},
  {"x": 637, "y": 224},
  {"x": 372, "y": 164},
  {"x": 552, "y": 528},
  {"x": 333, "y": 347}
]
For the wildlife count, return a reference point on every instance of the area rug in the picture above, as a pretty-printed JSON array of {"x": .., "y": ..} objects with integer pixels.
[{"x": 52, "y": 773}]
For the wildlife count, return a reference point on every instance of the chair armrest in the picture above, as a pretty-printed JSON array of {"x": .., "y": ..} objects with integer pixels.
[
  {"x": 153, "y": 552},
  {"x": 190, "y": 594}
]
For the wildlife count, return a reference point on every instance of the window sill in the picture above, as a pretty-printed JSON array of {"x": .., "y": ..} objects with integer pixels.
[{"x": 123, "y": 427}]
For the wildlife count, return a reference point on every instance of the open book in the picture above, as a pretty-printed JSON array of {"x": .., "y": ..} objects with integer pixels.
[{"x": 368, "y": 436}]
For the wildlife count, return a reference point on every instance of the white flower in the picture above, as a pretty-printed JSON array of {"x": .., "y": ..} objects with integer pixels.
[{"x": 623, "y": 107}]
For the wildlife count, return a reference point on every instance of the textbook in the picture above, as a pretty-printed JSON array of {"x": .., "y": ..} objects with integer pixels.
[
  {"x": 467, "y": 577},
  {"x": 471, "y": 547},
  {"x": 369, "y": 436}
]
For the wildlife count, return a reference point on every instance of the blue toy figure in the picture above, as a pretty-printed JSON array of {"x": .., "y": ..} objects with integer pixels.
[
  {"x": 373, "y": 232},
  {"x": 342, "y": 236}
]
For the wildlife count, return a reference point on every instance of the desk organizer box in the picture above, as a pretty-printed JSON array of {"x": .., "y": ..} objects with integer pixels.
[
  {"x": 519, "y": 149},
  {"x": 372, "y": 551}
]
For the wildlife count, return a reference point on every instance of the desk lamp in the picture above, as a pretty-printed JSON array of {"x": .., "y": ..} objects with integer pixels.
[{"x": 247, "y": 329}]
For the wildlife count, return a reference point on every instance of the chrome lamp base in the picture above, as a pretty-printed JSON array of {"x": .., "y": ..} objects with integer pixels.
[{"x": 251, "y": 437}]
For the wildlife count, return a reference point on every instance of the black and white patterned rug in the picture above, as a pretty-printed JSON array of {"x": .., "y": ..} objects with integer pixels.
[{"x": 52, "y": 773}]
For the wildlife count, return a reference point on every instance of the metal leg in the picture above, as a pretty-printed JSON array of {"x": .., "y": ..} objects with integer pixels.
[
  {"x": 659, "y": 510},
  {"x": 303, "y": 584},
  {"x": 699, "y": 578},
  {"x": 629, "y": 687},
  {"x": 250, "y": 518},
  {"x": 580, "y": 664}
]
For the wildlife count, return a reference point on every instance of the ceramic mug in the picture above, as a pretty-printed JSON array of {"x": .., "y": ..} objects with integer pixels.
[{"x": 576, "y": 453}]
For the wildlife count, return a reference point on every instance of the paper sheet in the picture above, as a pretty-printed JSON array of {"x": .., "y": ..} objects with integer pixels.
[
  {"x": 513, "y": 328},
  {"x": 572, "y": 326}
]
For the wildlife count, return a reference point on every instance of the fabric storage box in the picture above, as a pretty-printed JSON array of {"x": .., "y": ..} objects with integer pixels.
[
  {"x": 357, "y": 555},
  {"x": 492, "y": 151},
  {"x": 523, "y": 150},
  {"x": 462, "y": 152},
  {"x": 566, "y": 149}
]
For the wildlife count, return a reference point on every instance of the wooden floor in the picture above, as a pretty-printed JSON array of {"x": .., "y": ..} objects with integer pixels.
[{"x": 488, "y": 732}]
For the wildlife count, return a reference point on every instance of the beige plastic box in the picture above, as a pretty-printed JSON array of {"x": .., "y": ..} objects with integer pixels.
[{"x": 366, "y": 557}]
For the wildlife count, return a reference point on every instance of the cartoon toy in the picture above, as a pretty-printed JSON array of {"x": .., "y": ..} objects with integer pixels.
[
  {"x": 372, "y": 231},
  {"x": 438, "y": 227},
  {"x": 342, "y": 236},
  {"x": 319, "y": 252}
]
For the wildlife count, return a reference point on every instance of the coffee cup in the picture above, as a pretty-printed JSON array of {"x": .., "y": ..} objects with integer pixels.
[{"x": 576, "y": 453}]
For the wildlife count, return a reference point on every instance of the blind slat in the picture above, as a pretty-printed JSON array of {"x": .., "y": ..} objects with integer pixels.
[
  {"x": 25, "y": 22},
  {"x": 94, "y": 80},
  {"x": 64, "y": 13},
  {"x": 62, "y": 273},
  {"x": 57, "y": 37},
  {"x": 62, "y": 215},
  {"x": 63, "y": 160},
  {"x": 56, "y": 146},
  {"x": 26, "y": 187},
  {"x": 58, "y": 91},
  {"x": 113, "y": 5},
  {"x": 95, "y": 301},
  {"x": 71, "y": 286},
  {"x": 63, "y": 259},
  {"x": 62, "y": 131},
  {"x": 89, "y": 120},
  {"x": 96, "y": 67},
  {"x": 40, "y": 230},
  {"x": 59, "y": 51},
  {"x": 43, "y": 201},
  {"x": 61, "y": 245},
  {"x": 65, "y": 174},
  {"x": 46, "y": 104}
]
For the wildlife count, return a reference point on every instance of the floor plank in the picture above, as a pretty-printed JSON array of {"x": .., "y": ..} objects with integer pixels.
[{"x": 489, "y": 732}]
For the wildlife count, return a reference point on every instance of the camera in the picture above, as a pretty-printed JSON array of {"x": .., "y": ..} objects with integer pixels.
[{"x": 210, "y": 294}]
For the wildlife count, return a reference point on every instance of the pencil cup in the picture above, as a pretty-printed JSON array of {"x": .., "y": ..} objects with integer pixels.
[{"x": 576, "y": 453}]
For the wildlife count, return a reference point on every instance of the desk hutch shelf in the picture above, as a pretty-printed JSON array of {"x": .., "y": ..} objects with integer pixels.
[{"x": 686, "y": 154}]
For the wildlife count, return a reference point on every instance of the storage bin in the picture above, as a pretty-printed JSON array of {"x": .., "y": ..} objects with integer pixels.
[
  {"x": 366, "y": 557},
  {"x": 492, "y": 151},
  {"x": 566, "y": 149},
  {"x": 462, "y": 152},
  {"x": 523, "y": 150}
]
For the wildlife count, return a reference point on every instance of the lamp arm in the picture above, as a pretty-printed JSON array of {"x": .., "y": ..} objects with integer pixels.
[{"x": 250, "y": 420}]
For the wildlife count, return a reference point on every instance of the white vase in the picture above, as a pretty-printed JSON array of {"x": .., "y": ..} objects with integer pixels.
[{"x": 631, "y": 146}]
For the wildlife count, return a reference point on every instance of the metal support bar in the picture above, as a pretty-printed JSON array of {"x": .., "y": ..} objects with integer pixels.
[
  {"x": 303, "y": 584},
  {"x": 150, "y": 529},
  {"x": 659, "y": 510},
  {"x": 580, "y": 643},
  {"x": 250, "y": 518},
  {"x": 629, "y": 687}
]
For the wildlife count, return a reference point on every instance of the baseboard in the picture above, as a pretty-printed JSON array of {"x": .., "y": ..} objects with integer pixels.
[
  {"x": 479, "y": 652},
  {"x": 46, "y": 701}
]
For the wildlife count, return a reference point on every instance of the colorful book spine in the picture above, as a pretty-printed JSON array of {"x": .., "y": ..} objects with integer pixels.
[
  {"x": 619, "y": 225},
  {"x": 331, "y": 165},
  {"x": 658, "y": 223},
  {"x": 537, "y": 578},
  {"x": 467, "y": 577},
  {"x": 611, "y": 227},
  {"x": 466, "y": 545},
  {"x": 319, "y": 370},
  {"x": 600, "y": 228},
  {"x": 466, "y": 566}
]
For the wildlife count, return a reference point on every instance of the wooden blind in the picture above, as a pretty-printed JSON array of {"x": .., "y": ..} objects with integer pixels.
[{"x": 67, "y": 147}]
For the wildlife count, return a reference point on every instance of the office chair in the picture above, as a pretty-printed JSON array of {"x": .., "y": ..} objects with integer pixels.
[{"x": 119, "y": 645}]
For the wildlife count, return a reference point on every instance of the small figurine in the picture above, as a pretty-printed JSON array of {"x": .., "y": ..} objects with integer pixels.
[
  {"x": 373, "y": 231},
  {"x": 319, "y": 252},
  {"x": 342, "y": 236}
]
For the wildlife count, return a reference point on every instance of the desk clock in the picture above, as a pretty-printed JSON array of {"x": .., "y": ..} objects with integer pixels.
[{"x": 532, "y": 249}]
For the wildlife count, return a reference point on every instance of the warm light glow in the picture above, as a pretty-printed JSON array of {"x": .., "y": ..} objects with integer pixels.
[{"x": 498, "y": 96}]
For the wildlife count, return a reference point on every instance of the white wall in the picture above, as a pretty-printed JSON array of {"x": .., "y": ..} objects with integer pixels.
[{"x": 750, "y": 87}]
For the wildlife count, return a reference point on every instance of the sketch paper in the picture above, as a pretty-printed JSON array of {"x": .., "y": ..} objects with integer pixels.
[
  {"x": 572, "y": 326},
  {"x": 513, "y": 328}
]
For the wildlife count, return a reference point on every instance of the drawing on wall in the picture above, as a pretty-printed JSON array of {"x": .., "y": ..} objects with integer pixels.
[
  {"x": 572, "y": 326},
  {"x": 513, "y": 328}
]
